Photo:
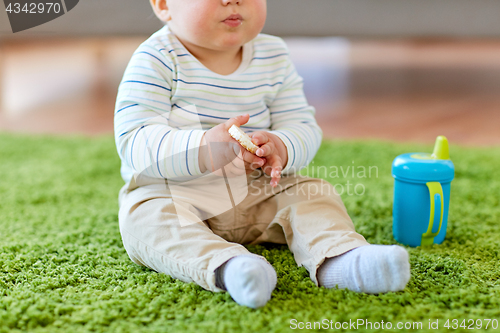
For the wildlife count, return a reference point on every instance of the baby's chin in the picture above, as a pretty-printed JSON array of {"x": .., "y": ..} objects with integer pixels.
[{"x": 231, "y": 41}]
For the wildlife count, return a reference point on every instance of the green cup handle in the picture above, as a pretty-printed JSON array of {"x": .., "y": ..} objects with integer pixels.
[{"x": 435, "y": 191}]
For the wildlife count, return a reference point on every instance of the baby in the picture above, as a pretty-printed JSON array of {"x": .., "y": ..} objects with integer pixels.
[{"x": 207, "y": 69}]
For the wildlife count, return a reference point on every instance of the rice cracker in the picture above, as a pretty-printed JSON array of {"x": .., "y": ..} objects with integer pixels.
[{"x": 243, "y": 138}]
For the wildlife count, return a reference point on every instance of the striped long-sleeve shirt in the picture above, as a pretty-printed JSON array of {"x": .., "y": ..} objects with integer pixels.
[{"x": 167, "y": 99}]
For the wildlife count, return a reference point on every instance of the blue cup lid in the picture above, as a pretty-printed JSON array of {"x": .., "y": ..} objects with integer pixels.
[{"x": 423, "y": 167}]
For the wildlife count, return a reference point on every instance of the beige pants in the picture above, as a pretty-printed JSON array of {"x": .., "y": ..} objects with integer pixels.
[{"x": 304, "y": 213}]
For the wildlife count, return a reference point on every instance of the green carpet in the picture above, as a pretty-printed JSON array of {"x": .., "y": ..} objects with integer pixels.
[{"x": 63, "y": 267}]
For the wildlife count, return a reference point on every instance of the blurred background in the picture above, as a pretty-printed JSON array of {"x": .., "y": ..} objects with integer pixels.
[{"x": 400, "y": 70}]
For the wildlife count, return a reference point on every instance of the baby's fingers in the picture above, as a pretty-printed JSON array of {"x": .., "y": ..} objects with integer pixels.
[
  {"x": 238, "y": 121},
  {"x": 275, "y": 172},
  {"x": 254, "y": 161},
  {"x": 259, "y": 138},
  {"x": 265, "y": 150}
]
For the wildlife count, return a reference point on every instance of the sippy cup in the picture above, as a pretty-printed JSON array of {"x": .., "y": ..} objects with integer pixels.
[{"x": 422, "y": 195}]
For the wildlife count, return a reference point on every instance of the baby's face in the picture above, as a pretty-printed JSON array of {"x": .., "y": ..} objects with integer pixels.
[{"x": 203, "y": 22}]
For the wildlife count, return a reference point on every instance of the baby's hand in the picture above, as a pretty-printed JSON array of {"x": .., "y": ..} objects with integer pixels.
[
  {"x": 274, "y": 151},
  {"x": 218, "y": 149}
]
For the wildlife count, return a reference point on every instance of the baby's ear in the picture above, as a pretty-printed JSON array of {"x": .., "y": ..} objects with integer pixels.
[{"x": 161, "y": 9}]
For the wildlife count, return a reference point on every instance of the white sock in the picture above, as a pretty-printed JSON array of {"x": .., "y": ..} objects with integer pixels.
[
  {"x": 371, "y": 269},
  {"x": 248, "y": 279}
]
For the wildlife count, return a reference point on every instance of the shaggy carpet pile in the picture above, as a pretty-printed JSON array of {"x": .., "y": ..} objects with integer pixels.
[{"x": 63, "y": 267}]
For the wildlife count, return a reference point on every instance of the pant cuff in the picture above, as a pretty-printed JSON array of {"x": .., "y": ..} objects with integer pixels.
[
  {"x": 313, "y": 263},
  {"x": 220, "y": 259}
]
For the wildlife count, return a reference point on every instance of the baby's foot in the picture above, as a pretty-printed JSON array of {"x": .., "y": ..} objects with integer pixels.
[
  {"x": 371, "y": 269},
  {"x": 248, "y": 279}
]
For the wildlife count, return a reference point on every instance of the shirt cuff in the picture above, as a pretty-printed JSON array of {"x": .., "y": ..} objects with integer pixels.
[{"x": 193, "y": 152}]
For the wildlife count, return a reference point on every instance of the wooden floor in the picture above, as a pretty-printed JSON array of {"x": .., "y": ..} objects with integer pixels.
[{"x": 404, "y": 90}]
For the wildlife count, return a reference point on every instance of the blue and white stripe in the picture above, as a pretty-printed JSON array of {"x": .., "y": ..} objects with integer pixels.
[{"x": 167, "y": 99}]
